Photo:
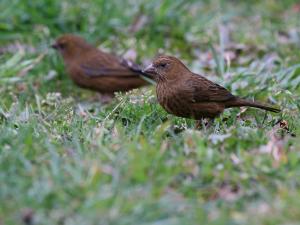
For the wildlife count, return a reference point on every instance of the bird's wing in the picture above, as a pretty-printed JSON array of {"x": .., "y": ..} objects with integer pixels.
[
  {"x": 204, "y": 90},
  {"x": 103, "y": 64}
]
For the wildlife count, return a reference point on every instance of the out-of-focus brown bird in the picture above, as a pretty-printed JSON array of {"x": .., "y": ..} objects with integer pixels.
[
  {"x": 94, "y": 69},
  {"x": 186, "y": 94}
]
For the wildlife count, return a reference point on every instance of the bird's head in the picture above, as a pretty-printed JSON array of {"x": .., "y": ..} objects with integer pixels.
[
  {"x": 70, "y": 46},
  {"x": 165, "y": 68}
]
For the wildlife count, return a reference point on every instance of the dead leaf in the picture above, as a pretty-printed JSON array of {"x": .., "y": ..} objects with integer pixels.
[
  {"x": 130, "y": 55},
  {"x": 229, "y": 57},
  {"x": 164, "y": 147},
  {"x": 290, "y": 36},
  {"x": 284, "y": 124},
  {"x": 243, "y": 110},
  {"x": 191, "y": 167},
  {"x": 81, "y": 111},
  {"x": 24, "y": 71},
  {"x": 17, "y": 47},
  {"x": 235, "y": 159},
  {"x": 229, "y": 192},
  {"x": 21, "y": 87},
  {"x": 276, "y": 144},
  {"x": 27, "y": 216},
  {"x": 218, "y": 138},
  {"x": 296, "y": 7},
  {"x": 225, "y": 34},
  {"x": 138, "y": 23}
]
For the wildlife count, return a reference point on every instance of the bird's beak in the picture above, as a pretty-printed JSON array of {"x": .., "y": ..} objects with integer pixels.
[
  {"x": 55, "y": 46},
  {"x": 150, "y": 70}
]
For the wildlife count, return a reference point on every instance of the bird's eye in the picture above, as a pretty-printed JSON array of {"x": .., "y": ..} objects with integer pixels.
[
  {"x": 62, "y": 45},
  {"x": 163, "y": 65}
]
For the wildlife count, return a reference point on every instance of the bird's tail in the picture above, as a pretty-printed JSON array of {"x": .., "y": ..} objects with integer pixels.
[
  {"x": 138, "y": 69},
  {"x": 238, "y": 102}
]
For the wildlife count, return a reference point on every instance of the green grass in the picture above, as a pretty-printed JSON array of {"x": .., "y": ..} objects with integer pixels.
[{"x": 67, "y": 159}]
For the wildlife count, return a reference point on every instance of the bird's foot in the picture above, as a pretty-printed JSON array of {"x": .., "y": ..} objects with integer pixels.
[{"x": 205, "y": 123}]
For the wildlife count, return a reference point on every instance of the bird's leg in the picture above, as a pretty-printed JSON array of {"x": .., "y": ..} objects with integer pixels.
[
  {"x": 105, "y": 98},
  {"x": 204, "y": 123},
  {"x": 198, "y": 125},
  {"x": 208, "y": 122}
]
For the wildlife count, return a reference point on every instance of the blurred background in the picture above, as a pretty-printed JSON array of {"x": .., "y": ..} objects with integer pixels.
[
  {"x": 66, "y": 159},
  {"x": 195, "y": 31}
]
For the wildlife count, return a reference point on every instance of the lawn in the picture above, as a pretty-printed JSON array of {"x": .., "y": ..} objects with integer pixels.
[{"x": 67, "y": 159}]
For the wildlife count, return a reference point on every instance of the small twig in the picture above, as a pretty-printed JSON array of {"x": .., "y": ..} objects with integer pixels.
[
  {"x": 265, "y": 117},
  {"x": 113, "y": 111}
]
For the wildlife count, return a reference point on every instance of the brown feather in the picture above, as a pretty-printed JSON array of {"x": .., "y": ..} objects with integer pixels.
[
  {"x": 186, "y": 94},
  {"x": 94, "y": 69}
]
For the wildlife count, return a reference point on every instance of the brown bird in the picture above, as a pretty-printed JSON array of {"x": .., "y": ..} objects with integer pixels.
[
  {"x": 186, "y": 94},
  {"x": 94, "y": 69}
]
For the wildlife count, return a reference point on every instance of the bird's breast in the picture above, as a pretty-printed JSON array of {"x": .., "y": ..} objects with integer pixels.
[{"x": 173, "y": 101}]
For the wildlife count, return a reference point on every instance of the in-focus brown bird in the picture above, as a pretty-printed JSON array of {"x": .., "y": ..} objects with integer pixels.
[
  {"x": 94, "y": 69},
  {"x": 186, "y": 94}
]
